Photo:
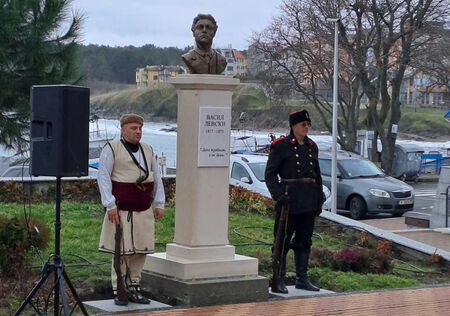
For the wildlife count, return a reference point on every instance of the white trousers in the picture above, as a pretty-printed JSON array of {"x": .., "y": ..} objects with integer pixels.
[{"x": 131, "y": 264}]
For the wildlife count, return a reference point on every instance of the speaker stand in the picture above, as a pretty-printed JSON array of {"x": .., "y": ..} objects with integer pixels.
[{"x": 56, "y": 268}]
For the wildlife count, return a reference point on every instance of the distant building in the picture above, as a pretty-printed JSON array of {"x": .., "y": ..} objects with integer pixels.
[
  {"x": 152, "y": 75},
  {"x": 260, "y": 57},
  {"x": 236, "y": 62},
  {"x": 420, "y": 89}
]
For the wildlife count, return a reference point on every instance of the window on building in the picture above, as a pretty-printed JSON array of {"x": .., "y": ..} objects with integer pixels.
[
  {"x": 230, "y": 68},
  {"x": 230, "y": 60},
  {"x": 425, "y": 98},
  {"x": 155, "y": 77},
  {"x": 436, "y": 98}
]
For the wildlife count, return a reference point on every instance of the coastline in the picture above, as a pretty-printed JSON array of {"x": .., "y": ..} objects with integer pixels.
[{"x": 282, "y": 130}]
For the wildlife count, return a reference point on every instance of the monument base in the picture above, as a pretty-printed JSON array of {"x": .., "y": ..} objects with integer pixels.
[
  {"x": 203, "y": 292},
  {"x": 197, "y": 281},
  {"x": 187, "y": 269}
]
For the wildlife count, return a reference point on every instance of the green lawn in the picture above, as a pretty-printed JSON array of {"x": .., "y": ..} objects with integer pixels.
[{"x": 81, "y": 224}]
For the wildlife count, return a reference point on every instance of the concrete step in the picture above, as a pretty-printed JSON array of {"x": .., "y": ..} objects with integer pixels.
[
  {"x": 108, "y": 306},
  {"x": 297, "y": 293}
]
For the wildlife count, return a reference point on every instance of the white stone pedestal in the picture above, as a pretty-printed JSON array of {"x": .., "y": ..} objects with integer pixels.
[{"x": 200, "y": 250}]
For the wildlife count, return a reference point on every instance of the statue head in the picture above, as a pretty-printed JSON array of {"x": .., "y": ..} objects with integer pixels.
[
  {"x": 203, "y": 59},
  {"x": 204, "y": 29}
]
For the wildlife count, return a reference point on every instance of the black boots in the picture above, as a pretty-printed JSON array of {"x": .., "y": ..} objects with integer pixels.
[
  {"x": 301, "y": 266},
  {"x": 281, "y": 287}
]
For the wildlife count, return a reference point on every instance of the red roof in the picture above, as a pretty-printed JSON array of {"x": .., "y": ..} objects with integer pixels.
[{"x": 238, "y": 54}]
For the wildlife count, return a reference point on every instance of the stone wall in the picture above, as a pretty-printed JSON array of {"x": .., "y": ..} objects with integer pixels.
[{"x": 85, "y": 190}]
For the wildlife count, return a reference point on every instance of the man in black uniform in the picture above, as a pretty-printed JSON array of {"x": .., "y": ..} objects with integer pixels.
[{"x": 293, "y": 178}]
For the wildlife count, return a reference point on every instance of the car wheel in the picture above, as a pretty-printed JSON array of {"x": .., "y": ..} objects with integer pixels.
[{"x": 358, "y": 207}]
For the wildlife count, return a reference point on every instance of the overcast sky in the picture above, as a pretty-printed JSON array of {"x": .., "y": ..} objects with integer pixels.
[{"x": 167, "y": 22}]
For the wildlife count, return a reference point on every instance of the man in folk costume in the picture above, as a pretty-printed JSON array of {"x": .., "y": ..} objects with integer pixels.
[
  {"x": 133, "y": 194},
  {"x": 293, "y": 178}
]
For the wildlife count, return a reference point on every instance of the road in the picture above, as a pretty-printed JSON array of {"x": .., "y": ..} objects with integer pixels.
[{"x": 425, "y": 196}]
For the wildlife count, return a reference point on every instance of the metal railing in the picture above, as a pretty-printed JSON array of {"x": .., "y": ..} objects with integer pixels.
[{"x": 446, "y": 205}]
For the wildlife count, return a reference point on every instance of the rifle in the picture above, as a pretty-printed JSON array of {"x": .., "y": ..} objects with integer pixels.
[
  {"x": 279, "y": 260},
  {"x": 121, "y": 294}
]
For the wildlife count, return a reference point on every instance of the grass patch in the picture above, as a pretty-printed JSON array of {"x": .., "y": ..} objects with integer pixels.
[
  {"x": 424, "y": 121},
  {"x": 339, "y": 281},
  {"x": 81, "y": 225}
]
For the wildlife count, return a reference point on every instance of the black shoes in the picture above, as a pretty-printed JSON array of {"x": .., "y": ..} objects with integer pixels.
[
  {"x": 135, "y": 296},
  {"x": 119, "y": 302},
  {"x": 304, "y": 284},
  {"x": 281, "y": 287}
]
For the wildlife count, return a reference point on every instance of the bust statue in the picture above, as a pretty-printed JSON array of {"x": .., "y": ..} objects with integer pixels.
[{"x": 203, "y": 59}]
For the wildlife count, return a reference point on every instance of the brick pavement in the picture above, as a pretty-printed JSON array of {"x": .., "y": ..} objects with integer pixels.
[
  {"x": 427, "y": 236},
  {"x": 405, "y": 302},
  {"x": 391, "y": 223}
]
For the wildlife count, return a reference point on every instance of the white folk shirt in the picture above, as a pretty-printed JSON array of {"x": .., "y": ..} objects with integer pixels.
[{"x": 105, "y": 167}]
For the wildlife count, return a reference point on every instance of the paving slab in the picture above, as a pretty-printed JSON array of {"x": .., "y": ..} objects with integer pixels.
[
  {"x": 108, "y": 306},
  {"x": 392, "y": 223},
  {"x": 293, "y": 292},
  {"x": 421, "y": 247},
  {"x": 403, "y": 302}
]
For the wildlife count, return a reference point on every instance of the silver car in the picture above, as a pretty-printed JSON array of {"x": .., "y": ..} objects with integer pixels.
[
  {"x": 22, "y": 173},
  {"x": 364, "y": 188},
  {"x": 247, "y": 171}
]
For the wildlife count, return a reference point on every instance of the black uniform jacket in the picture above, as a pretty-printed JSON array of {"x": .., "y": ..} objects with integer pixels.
[{"x": 290, "y": 160}]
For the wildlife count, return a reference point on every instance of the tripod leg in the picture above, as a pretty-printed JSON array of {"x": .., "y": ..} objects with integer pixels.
[
  {"x": 74, "y": 293},
  {"x": 59, "y": 272},
  {"x": 27, "y": 300},
  {"x": 56, "y": 300}
]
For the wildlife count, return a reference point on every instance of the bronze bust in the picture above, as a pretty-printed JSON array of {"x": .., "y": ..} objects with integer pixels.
[{"x": 203, "y": 59}]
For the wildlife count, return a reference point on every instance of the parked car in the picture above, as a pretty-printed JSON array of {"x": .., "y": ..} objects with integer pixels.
[
  {"x": 19, "y": 172},
  {"x": 247, "y": 171},
  {"x": 364, "y": 188}
]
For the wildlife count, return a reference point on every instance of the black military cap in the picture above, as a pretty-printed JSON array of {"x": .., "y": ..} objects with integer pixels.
[{"x": 298, "y": 116}]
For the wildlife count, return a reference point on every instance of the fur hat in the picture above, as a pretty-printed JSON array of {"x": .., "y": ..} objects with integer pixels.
[
  {"x": 298, "y": 116},
  {"x": 131, "y": 118}
]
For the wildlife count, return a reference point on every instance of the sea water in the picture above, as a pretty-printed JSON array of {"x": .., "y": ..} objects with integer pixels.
[{"x": 163, "y": 139}]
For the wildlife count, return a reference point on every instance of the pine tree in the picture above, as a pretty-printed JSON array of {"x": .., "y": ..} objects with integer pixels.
[{"x": 38, "y": 43}]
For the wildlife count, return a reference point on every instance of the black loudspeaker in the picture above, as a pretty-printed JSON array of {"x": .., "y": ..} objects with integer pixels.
[{"x": 59, "y": 131}]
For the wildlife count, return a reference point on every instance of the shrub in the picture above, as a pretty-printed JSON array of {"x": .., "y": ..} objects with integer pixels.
[
  {"x": 242, "y": 200},
  {"x": 16, "y": 240},
  {"x": 352, "y": 259},
  {"x": 169, "y": 190}
]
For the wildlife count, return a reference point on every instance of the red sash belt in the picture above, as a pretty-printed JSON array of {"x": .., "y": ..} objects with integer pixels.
[{"x": 132, "y": 196}]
